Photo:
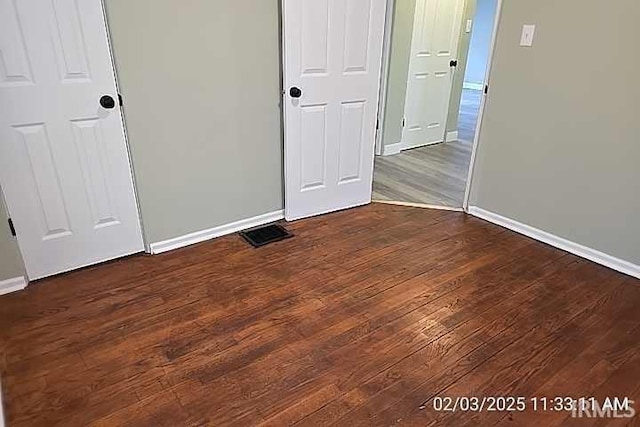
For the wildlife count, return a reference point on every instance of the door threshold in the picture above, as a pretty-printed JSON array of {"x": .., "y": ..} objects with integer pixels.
[
  {"x": 428, "y": 144},
  {"x": 420, "y": 205}
]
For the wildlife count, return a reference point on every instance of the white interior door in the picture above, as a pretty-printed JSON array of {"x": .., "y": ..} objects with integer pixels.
[
  {"x": 332, "y": 54},
  {"x": 436, "y": 33},
  {"x": 64, "y": 165}
]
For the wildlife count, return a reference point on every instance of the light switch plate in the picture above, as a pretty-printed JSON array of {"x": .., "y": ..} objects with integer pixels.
[
  {"x": 469, "y": 26},
  {"x": 528, "y": 32}
]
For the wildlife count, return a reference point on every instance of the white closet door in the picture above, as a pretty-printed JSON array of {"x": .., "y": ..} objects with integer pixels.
[
  {"x": 64, "y": 165},
  {"x": 332, "y": 63},
  {"x": 436, "y": 34}
]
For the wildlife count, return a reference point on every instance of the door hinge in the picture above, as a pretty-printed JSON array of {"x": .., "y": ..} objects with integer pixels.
[
  {"x": 404, "y": 121},
  {"x": 486, "y": 89},
  {"x": 377, "y": 123},
  {"x": 120, "y": 99},
  {"x": 11, "y": 227}
]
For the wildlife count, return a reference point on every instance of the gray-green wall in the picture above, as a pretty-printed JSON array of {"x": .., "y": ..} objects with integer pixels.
[
  {"x": 201, "y": 87},
  {"x": 401, "y": 34},
  {"x": 560, "y": 143},
  {"x": 463, "y": 56},
  {"x": 11, "y": 265}
]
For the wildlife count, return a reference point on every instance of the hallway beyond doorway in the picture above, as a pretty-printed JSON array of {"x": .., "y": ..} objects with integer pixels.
[{"x": 435, "y": 174}]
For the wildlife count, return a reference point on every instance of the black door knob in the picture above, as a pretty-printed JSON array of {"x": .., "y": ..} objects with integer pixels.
[
  {"x": 295, "y": 92},
  {"x": 107, "y": 102},
  {"x": 453, "y": 63}
]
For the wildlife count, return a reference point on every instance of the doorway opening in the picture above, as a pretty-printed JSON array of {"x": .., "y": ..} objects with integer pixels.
[{"x": 437, "y": 56}]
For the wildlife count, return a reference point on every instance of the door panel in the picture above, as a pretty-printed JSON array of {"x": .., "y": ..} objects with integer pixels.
[
  {"x": 333, "y": 53},
  {"x": 64, "y": 164},
  {"x": 356, "y": 50},
  {"x": 314, "y": 146},
  {"x": 34, "y": 152},
  {"x": 15, "y": 69},
  {"x": 351, "y": 133},
  {"x": 69, "y": 42},
  {"x": 96, "y": 172},
  {"x": 434, "y": 44},
  {"x": 314, "y": 36}
]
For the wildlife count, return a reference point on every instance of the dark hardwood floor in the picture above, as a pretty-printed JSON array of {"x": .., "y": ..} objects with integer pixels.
[{"x": 360, "y": 320}]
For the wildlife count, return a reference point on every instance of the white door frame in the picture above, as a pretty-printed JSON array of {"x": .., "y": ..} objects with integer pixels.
[
  {"x": 483, "y": 103},
  {"x": 384, "y": 74},
  {"x": 386, "y": 56}
]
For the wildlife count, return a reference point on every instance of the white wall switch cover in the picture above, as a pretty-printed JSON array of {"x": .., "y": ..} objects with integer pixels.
[
  {"x": 469, "y": 26},
  {"x": 528, "y": 31}
]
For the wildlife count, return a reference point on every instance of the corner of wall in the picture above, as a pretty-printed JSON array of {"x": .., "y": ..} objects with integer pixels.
[{"x": 11, "y": 263}]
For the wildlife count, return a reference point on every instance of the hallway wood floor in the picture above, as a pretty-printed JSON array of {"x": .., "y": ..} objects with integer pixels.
[
  {"x": 432, "y": 175},
  {"x": 358, "y": 320}
]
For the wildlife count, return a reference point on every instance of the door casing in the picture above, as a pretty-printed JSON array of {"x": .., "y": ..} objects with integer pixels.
[{"x": 385, "y": 75}]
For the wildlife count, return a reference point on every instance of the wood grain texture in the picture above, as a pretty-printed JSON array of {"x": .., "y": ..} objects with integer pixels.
[
  {"x": 469, "y": 111},
  {"x": 363, "y": 317},
  {"x": 432, "y": 175}
]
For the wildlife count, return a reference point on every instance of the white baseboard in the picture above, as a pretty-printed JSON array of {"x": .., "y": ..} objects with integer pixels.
[
  {"x": 596, "y": 256},
  {"x": 201, "y": 236},
  {"x": 390, "y": 150},
  {"x": 472, "y": 86},
  {"x": 12, "y": 285},
  {"x": 452, "y": 136}
]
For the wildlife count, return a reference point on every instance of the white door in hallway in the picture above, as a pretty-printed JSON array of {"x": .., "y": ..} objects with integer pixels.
[
  {"x": 332, "y": 64},
  {"x": 436, "y": 33},
  {"x": 64, "y": 164}
]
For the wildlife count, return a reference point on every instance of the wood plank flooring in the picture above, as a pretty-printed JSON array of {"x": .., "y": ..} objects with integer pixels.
[
  {"x": 469, "y": 111},
  {"x": 432, "y": 175},
  {"x": 360, "y": 320}
]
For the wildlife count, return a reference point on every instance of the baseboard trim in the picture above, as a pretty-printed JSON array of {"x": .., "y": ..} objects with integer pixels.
[
  {"x": 13, "y": 285},
  {"x": 212, "y": 233},
  {"x": 452, "y": 136},
  {"x": 594, "y": 255},
  {"x": 472, "y": 86},
  {"x": 390, "y": 150},
  {"x": 420, "y": 205}
]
